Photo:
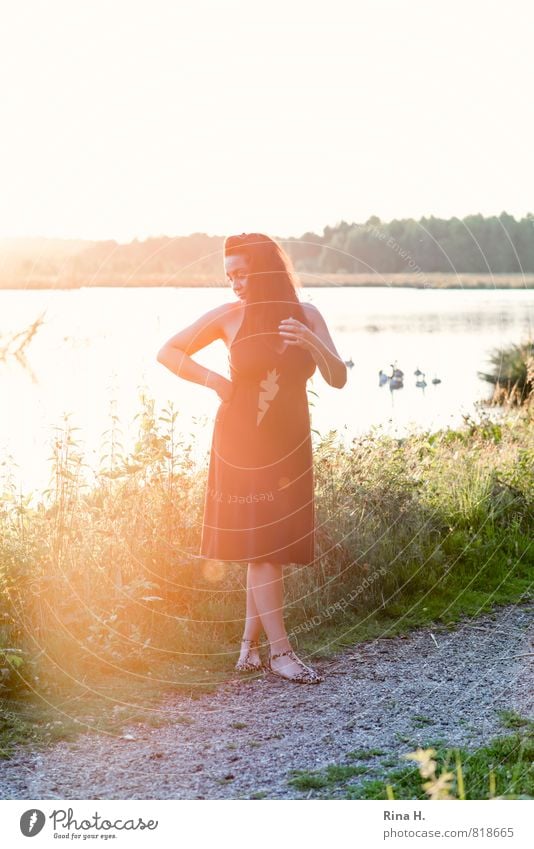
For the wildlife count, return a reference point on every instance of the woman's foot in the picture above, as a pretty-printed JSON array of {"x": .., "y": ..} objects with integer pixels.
[
  {"x": 286, "y": 664},
  {"x": 249, "y": 658}
]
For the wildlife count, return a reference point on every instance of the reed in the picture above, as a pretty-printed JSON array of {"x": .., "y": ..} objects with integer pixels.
[{"x": 512, "y": 374}]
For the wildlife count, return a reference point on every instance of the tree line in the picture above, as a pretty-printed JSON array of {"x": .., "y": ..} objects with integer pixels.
[{"x": 497, "y": 245}]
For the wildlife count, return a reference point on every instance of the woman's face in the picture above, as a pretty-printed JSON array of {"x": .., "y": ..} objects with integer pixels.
[{"x": 236, "y": 268}]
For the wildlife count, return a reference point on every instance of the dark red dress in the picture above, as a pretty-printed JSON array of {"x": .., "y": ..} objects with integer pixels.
[{"x": 259, "y": 500}]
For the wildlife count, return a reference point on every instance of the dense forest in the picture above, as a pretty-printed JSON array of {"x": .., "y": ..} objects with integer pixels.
[{"x": 475, "y": 244}]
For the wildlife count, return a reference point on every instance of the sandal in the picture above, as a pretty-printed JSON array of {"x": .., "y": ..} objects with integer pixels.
[
  {"x": 307, "y": 676},
  {"x": 247, "y": 665}
]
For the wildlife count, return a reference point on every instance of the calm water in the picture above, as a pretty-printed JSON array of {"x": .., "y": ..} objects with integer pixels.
[{"x": 101, "y": 344}]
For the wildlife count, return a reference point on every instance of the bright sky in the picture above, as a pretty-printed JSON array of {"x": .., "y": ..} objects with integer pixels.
[{"x": 125, "y": 119}]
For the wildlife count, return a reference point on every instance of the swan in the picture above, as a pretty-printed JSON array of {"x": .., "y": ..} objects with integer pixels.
[{"x": 421, "y": 382}]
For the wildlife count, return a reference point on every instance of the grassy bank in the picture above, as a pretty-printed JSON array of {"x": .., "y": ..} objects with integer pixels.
[
  {"x": 502, "y": 769},
  {"x": 102, "y": 607}
]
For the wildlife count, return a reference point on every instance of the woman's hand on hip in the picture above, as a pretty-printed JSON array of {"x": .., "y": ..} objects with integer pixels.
[{"x": 222, "y": 386}]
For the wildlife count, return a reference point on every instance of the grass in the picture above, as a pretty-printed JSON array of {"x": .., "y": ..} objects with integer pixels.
[
  {"x": 102, "y": 611},
  {"x": 504, "y": 768},
  {"x": 420, "y": 721},
  {"x": 306, "y": 780},
  {"x": 363, "y": 754}
]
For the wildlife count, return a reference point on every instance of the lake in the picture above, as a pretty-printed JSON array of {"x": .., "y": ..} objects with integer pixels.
[{"x": 100, "y": 344}]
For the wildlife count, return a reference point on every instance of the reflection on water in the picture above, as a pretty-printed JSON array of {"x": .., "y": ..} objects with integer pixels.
[{"x": 101, "y": 344}]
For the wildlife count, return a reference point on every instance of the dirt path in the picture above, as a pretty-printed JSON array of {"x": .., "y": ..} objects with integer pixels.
[{"x": 386, "y": 694}]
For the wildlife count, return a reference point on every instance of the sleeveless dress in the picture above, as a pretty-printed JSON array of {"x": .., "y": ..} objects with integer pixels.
[{"x": 259, "y": 499}]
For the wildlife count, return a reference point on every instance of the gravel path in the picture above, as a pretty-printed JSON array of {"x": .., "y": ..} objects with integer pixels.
[{"x": 242, "y": 741}]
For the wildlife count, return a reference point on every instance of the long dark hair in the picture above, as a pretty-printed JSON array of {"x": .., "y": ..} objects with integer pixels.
[{"x": 271, "y": 292}]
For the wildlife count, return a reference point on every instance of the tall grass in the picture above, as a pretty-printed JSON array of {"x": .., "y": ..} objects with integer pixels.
[{"x": 99, "y": 577}]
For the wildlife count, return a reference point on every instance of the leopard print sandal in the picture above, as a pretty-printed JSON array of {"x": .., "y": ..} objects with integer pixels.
[
  {"x": 307, "y": 676},
  {"x": 246, "y": 664}
]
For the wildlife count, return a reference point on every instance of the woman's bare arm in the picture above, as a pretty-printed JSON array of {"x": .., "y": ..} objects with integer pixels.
[
  {"x": 316, "y": 338},
  {"x": 325, "y": 353},
  {"x": 175, "y": 354}
]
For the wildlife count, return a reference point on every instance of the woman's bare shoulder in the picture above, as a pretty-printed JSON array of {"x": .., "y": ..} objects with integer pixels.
[
  {"x": 216, "y": 323},
  {"x": 311, "y": 313}
]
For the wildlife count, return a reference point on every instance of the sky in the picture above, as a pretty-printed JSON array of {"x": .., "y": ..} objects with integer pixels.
[{"x": 125, "y": 120}]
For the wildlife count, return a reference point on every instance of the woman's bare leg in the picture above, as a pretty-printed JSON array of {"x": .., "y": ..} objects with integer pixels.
[
  {"x": 266, "y": 581},
  {"x": 252, "y": 625}
]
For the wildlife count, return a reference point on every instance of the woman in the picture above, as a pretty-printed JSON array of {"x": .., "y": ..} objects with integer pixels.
[{"x": 259, "y": 502}]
